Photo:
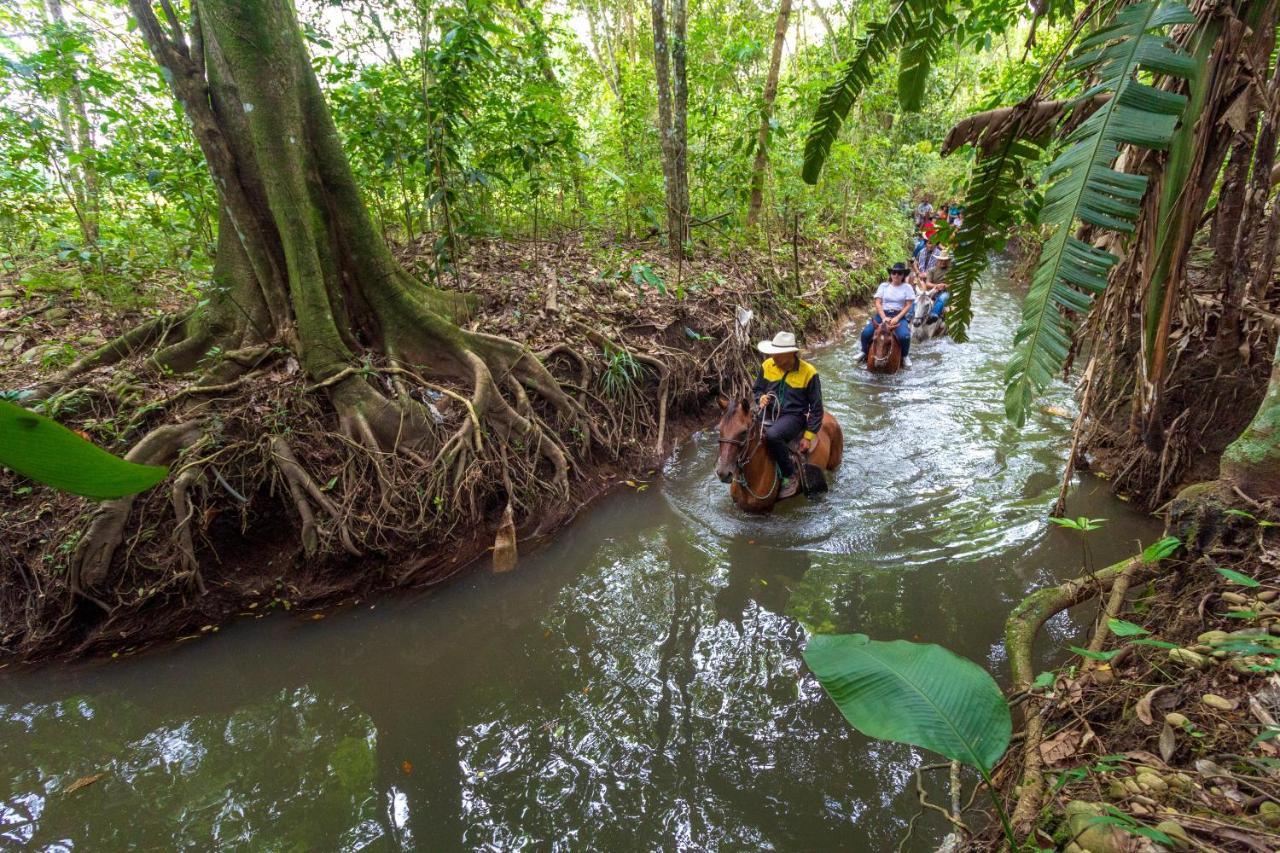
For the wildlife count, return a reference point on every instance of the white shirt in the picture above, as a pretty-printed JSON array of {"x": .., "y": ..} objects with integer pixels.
[{"x": 893, "y": 296}]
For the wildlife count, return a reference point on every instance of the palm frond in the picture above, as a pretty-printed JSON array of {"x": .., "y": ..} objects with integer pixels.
[
  {"x": 991, "y": 209},
  {"x": 919, "y": 53},
  {"x": 834, "y": 105},
  {"x": 1085, "y": 188}
]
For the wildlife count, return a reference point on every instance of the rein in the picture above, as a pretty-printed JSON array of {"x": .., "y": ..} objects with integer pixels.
[{"x": 744, "y": 456}]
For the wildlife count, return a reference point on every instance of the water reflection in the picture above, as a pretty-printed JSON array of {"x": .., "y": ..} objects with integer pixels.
[
  {"x": 637, "y": 684},
  {"x": 193, "y": 782}
]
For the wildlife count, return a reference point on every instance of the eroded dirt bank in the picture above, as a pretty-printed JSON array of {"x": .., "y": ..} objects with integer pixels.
[{"x": 644, "y": 343}]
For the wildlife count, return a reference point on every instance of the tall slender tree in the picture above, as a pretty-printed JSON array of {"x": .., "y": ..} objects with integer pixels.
[
  {"x": 669, "y": 58},
  {"x": 77, "y": 134},
  {"x": 766, "y": 113}
]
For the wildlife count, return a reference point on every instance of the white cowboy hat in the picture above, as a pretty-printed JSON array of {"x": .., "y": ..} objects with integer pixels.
[{"x": 782, "y": 342}]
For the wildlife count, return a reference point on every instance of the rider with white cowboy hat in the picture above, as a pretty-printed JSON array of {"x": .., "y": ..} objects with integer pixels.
[{"x": 789, "y": 392}]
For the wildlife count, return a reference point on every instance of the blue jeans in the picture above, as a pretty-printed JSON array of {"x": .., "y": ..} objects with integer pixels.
[
  {"x": 902, "y": 333},
  {"x": 776, "y": 437},
  {"x": 940, "y": 302}
]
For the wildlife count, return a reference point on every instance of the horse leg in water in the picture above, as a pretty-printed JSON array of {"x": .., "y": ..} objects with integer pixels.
[{"x": 826, "y": 455}]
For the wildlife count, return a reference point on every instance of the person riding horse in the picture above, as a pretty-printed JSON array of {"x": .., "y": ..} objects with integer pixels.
[
  {"x": 789, "y": 389},
  {"x": 935, "y": 281},
  {"x": 893, "y": 303}
]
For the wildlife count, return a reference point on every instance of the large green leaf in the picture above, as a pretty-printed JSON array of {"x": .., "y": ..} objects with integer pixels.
[
  {"x": 48, "y": 452},
  {"x": 1086, "y": 189},
  {"x": 915, "y": 693}
]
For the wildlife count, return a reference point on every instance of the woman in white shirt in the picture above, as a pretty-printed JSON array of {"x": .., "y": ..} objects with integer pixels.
[{"x": 893, "y": 306}]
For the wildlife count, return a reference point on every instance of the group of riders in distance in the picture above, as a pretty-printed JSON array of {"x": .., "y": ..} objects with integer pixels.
[{"x": 781, "y": 439}]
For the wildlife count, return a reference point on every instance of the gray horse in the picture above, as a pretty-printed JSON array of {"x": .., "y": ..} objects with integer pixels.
[{"x": 923, "y": 325}]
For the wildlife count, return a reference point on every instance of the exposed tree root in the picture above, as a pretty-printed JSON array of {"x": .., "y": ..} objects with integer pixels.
[
  {"x": 140, "y": 337},
  {"x": 305, "y": 491},
  {"x": 1020, "y": 632},
  {"x": 93, "y": 555}
]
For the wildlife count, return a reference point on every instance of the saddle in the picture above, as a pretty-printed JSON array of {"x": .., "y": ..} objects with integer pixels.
[{"x": 812, "y": 480}]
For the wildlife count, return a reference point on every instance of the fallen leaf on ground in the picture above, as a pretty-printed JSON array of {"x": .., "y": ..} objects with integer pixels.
[
  {"x": 1143, "y": 708},
  {"x": 83, "y": 782},
  {"x": 1060, "y": 747},
  {"x": 1168, "y": 742}
]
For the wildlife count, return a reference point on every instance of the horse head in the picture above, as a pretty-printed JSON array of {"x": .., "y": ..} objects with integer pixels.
[
  {"x": 921, "y": 307},
  {"x": 882, "y": 343},
  {"x": 735, "y": 424}
]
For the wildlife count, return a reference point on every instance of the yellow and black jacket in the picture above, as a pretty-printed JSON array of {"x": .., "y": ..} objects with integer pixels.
[{"x": 798, "y": 392}]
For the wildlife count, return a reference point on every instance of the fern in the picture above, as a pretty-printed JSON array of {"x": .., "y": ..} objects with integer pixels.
[
  {"x": 904, "y": 20},
  {"x": 1085, "y": 188},
  {"x": 990, "y": 211}
]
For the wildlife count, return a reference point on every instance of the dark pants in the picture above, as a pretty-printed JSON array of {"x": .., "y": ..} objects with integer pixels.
[
  {"x": 903, "y": 333},
  {"x": 776, "y": 437}
]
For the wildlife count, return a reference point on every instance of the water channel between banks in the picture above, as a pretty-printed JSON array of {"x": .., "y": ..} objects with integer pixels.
[{"x": 635, "y": 684}]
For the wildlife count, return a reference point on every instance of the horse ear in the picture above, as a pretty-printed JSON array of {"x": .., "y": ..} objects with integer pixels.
[
  {"x": 746, "y": 407},
  {"x": 723, "y": 402}
]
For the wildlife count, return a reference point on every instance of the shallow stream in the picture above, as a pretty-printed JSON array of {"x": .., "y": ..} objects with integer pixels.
[{"x": 636, "y": 684}]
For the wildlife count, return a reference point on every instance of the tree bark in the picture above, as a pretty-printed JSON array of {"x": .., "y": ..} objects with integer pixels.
[
  {"x": 299, "y": 260},
  {"x": 1226, "y": 228},
  {"x": 766, "y": 113},
  {"x": 1260, "y": 192},
  {"x": 669, "y": 54},
  {"x": 1252, "y": 461},
  {"x": 78, "y": 139}
]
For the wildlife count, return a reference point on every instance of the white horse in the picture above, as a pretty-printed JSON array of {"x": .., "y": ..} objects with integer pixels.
[{"x": 923, "y": 325}]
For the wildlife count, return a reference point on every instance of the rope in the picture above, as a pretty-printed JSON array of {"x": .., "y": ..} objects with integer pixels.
[{"x": 747, "y": 452}]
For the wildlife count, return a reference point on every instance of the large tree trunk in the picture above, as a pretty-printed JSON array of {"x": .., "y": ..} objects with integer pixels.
[
  {"x": 1226, "y": 231},
  {"x": 78, "y": 137},
  {"x": 668, "y": 51},
  {"x": 1252, "y": 461},
  {"x": 766, "y": 113},
  {"x": 300, "y": 265}
]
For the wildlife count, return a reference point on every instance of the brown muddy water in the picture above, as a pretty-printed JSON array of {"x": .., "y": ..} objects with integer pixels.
[{"x": 634, "y": 685}]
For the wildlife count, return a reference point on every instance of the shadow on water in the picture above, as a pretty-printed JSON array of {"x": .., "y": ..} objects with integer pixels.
[{"x": 636, "y": 684}]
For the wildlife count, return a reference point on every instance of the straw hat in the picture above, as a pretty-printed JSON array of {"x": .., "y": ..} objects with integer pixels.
[{"x": 782, "y": 342}]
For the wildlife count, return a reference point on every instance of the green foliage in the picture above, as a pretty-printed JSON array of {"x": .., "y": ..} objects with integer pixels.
[
  {"x": 1085, "y": 188},
  {"x": 463, "y": 120},
  {"x": 991, "y": 211},
  {"x": 44, "y": 450},
  {"x": 915, "y": 693},
  {"x": 620, "y": 374},
  {"x": 1082, "y": 524},
  {"x": 1160, "y": 549},
  {"x": 857, "y": 74},
  {"x": 1237, "y": 577}
]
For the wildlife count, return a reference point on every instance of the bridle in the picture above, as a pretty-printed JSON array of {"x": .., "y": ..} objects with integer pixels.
[
  {"x": 748, "y": 449},
  {"x": 882, "y": 360}
]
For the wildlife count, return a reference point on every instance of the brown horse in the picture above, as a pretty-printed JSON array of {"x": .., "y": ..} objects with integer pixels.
[
  {"x": 744, "y": 461},
  {"x": 885, "y": 353}
]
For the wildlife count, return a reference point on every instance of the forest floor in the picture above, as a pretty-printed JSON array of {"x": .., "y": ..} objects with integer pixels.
[
  {"x": 647, "y": 344},
  {"x": 1165, "y": 733}
]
